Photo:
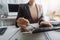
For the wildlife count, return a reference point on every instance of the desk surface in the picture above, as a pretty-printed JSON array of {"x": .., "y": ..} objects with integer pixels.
[
  {"x": 13, "y": 33},
  {"x": 22, "y": 36},
  {"x": 9, "y": 33},
  {"x": 53, "y": 35}
]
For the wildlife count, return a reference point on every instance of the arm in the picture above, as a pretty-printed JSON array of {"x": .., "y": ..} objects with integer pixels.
[
  {"x": 20, "y": 20},
  {"x": 42, "y": 21},
  {"x": 41, "y": 18},
  {"x": 19, "y": 14}
]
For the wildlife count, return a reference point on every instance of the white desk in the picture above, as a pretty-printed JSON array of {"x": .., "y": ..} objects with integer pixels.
[
  {"x": 9, "y": 33},
  {"x": 53, "y": 35},
  {"x": 13, "y": 33},
  {"x": 21, "y": 36}
]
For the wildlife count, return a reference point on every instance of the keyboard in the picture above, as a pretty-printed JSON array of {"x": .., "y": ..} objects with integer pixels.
[
  {"x": 2, "y": 30},
  {"x": 45, "y": 29}
]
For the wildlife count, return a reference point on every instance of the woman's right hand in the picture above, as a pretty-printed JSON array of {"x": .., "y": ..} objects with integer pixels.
[{"x": 22, "y": 22}]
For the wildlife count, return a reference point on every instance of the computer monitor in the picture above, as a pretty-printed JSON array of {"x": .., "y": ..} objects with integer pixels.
[{"x": 13, "y": 7}]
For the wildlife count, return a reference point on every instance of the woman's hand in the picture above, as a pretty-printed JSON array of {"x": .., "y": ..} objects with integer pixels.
[
  {"x": 45, "y": 24},
  {"x": 22, "y": 22}
]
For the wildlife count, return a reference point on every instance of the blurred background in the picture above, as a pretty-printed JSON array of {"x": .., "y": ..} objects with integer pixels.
[{"x": 51, "y": 9}]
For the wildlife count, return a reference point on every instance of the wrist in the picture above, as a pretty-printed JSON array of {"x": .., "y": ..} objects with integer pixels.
[{"x": 40, "y": 22}]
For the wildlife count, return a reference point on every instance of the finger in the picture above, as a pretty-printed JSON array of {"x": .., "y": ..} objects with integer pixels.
[
  {"x": 26, "y": 20},
  {"x": 51, "y": 25},
  {"x": 20, "y": 25},
  {"x": 17, "y": 21},
  {"x": 23, "y": 26},
  {"x": 21, "y": 18},
  {"x": 28, "y": 24}
]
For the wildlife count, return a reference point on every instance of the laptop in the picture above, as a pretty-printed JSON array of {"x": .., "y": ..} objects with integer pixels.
[
  {"x": 56, "y": 27},
  {"x": 13, "y": 9}
]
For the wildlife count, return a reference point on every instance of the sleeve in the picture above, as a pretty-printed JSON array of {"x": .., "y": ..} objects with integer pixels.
[
  {"x": 19, "y": 14},
  {"x": 41, "y": 18}
]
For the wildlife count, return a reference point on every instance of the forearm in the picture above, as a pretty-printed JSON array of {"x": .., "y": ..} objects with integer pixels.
[{"x": 41, "y": 20}]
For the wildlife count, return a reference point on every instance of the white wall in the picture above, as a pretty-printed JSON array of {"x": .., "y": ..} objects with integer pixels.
[
  {"x": 54, "y": 5},
  {"x": 47, "y": 6},
  {"x": 51, "y": 5}
]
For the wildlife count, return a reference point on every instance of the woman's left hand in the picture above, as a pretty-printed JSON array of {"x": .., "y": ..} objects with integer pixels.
[{"x": 45, "y": 24}]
